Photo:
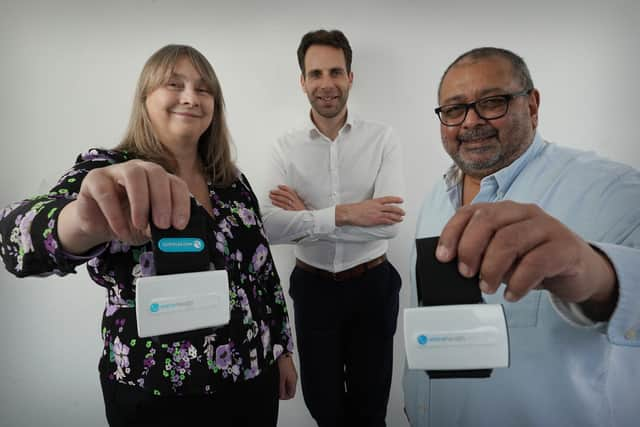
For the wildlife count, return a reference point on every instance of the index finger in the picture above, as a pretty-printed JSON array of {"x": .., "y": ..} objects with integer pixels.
[
  {"x": 389, "y": 199},
  {"x": 134, "y": 182},
  {"x": 288, "y": 190},
  {"x": 470, "y": 230}
]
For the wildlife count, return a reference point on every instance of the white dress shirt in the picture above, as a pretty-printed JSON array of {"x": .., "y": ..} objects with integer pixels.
[{"x": 363, "y": 162}]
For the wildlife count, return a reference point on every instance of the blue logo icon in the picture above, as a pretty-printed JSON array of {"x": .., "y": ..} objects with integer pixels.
[
  {"x": 422, "y": 339},
  {"x": 154, "y": 307},
  {"x": 181, "y": 244}
]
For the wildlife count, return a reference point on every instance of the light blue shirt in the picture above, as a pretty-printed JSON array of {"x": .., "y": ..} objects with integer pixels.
[{"x": 564, "y": 371}]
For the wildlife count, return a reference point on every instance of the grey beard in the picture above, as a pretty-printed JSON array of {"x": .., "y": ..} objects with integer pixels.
[{"x": 478, "y": 169}]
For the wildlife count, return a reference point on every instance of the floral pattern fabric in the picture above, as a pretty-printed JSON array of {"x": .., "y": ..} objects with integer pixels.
[{"x": 178, "y": 364}]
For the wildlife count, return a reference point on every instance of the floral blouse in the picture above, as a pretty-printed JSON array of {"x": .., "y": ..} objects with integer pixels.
[{"x": 189, "y": 363}]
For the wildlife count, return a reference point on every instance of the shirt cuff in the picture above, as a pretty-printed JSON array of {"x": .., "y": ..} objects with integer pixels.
[
  {"x": 90, "y": 254},
  {"x": 324, "y": 220},
  {"x": 571, "y": 313},
  {"x": 624, "y": 325}
]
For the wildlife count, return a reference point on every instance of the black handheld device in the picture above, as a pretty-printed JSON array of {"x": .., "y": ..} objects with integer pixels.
[
  {"x": 182, "y": 251},
  {"x": 442, "y": 284}
]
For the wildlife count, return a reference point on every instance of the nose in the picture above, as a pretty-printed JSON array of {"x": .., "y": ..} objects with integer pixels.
[
  {"x": 472, "y": 119},
  {"x": 189, "y": 96},
  {"x": 326, "y": 81}
]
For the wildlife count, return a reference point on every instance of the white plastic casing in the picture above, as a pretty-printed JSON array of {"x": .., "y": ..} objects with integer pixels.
[
  {"x": 456, "y": 337},
  {"x": 181, "y": 302}
]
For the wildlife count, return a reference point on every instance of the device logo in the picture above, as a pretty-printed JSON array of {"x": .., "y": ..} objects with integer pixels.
[
  {"x": 181, "y": 244},
  {"x": 452, "y": 339},
  {"x": 157, "y": 307}
]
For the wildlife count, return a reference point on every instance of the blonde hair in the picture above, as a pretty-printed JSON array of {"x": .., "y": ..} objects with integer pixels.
[{"x": 214, "y": 145}]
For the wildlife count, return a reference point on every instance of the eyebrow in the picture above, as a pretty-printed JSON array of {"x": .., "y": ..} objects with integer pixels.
[
  {"x": 183, "y": 77},
  {"x": 331, "y": 70},
  {"x": 482, "y": 94}
]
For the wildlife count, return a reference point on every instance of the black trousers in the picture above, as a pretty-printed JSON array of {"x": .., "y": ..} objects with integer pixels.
[
  {"x": 247, "y": 404},
  {"x": 345, "y": 341}
]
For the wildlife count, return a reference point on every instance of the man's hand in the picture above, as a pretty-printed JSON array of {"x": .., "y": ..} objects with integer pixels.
[
  {"x": 379, "y": 211},
  {"x": 288, "y": 377},
  {"x": 286, "y": 198},
  {"x": 524, "y": 247}
]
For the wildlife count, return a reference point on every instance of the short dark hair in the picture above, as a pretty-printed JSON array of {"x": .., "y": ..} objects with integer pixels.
[
  {"x": 333, "y": 38},
  {"x": 519, "y": 67}
]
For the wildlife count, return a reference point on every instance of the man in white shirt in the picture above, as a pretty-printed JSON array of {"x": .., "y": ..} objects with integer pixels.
[{"x": 336, "y": 185}]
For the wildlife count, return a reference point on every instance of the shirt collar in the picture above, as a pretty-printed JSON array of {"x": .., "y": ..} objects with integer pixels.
[
  {"x": 505, "y": 176},
  {"x": 313, "y": 130}
]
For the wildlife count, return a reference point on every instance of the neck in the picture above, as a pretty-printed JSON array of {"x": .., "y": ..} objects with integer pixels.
[
  {"x": 470, "y": 189},
  {"x": 188, "y": 162},
  {"x": 329, "y": 126}
]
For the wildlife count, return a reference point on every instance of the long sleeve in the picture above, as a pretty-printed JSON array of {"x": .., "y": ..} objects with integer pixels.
[
  {"x": 389, "y": 182},
  {"x": 362, "y": 162},
  {"x": 318, "y": 223},
  {"x": 284, "y": 226},
  {"x": 29, "y": 243},
  {"x": 618, "y": 221}
]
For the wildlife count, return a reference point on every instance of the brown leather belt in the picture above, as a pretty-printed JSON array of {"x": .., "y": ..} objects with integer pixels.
[{"x": 350, "y": 273}]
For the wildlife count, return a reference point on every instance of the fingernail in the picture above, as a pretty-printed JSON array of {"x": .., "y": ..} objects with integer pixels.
[
  {"x": 442, "y": 253},
  {"x": 182, "y": 221},
  {"x": 464, "y": 269},
  {"x": 484, "y": 287},
  {"x": 509, "y": 296}
]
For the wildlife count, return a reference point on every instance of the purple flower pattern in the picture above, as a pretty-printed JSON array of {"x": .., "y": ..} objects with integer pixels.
[
  {"x": 169, "y": 364},
  {"x": 259, "y": 257}
]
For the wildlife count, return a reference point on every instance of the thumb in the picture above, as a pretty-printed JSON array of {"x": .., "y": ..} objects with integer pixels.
[
  {"x": 291, "y": 389},
  {"x": 283, "y": 389}
]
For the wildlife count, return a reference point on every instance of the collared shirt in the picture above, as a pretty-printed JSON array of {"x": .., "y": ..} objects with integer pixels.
[
  {"x": 363, "y": 162},
  {"x": 564, "y": 370}
]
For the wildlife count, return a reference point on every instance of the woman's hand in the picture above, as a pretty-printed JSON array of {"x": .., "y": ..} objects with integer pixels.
[
  {"x": 115, "y": 202},
  {"x": 288, "y": 376}
]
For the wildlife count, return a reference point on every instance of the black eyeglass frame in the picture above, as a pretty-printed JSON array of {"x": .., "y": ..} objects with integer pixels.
[{"x": 507, "y": 97}]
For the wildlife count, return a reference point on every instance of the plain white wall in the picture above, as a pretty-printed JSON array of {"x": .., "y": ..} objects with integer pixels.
[{"x": 67, "y": 75}]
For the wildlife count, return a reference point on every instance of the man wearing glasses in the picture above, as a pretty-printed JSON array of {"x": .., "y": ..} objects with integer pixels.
[{"x": 555, "y": 236}]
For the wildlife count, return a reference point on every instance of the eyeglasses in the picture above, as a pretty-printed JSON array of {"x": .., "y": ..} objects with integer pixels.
[{"x": 489, "y": 108}]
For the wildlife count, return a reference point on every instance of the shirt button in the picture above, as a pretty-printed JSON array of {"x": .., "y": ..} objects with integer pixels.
[{"x": 630, "y": 334}]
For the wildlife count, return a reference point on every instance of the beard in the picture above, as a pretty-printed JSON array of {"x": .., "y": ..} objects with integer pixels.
[
  {"x": 483, "y": 157},
  {"x": 484, "y": 150}
]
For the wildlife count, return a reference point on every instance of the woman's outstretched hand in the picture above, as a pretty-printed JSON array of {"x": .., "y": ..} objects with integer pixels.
[{"x": 116, "y": 202}]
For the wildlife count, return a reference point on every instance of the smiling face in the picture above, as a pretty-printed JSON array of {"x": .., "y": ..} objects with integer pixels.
[
  {"x": 326, "y": 80},
  {"x": 181, "y": 109},
  {"x": 481, "y": 147}
]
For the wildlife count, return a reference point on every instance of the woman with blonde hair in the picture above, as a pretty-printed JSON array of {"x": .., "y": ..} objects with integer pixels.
[{"x": 177, "y": 147}]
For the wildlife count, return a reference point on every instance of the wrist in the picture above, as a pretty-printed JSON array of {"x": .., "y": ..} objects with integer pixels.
[
  {"x": 284, "y": 357},
  {"x": 343, "y": 214},
  {"x": 73, "y": 239},
  {"x": 602, "y": 303}
]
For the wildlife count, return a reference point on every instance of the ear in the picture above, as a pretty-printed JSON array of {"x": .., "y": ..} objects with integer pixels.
[
  {"x": 350, "y": 78},
  {"x": 302, "y": 81},
  {"x": 534, "y": 105}
]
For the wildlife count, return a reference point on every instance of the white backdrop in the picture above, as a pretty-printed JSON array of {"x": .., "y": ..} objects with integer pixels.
[{"x": 67, "y": 75}]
